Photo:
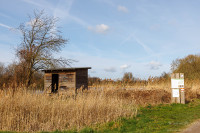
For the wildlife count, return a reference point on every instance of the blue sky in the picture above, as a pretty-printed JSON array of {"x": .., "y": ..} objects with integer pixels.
[{"x": 112, "y": 36}]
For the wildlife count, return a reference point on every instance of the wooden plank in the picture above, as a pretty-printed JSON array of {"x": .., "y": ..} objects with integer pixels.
[
  {"x": 172, "y": 98},
  {"x": 182, "y": 97},
  {"x": 172, "y": 76},
  {"x": 181, "y": 75},
  {"x": 179, "y": 98},
  {"x": 177, "y": 75},
  {"x": 67, "y": 84},
  {"x": 182, "y": 90},
  {"x": 47, "y": 80}
]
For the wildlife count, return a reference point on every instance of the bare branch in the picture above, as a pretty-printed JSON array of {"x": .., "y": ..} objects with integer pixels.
[{"x": 40, "y": 39}]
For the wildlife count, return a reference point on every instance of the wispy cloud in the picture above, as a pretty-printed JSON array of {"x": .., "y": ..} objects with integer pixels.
[
  {"x": 131, "y": 37},
  {"x": 125, "y": 66},
  {"x": 154, "y": 65},
  {"x": 110, "y": 69},
  {"x": 3, "y": 15},
  {"x": 33, "y": 3},
  {"x": 118, "y": 7},
  {"x": 78, "y": 21},
  {"x": 122, "y": 9},
  {"x": 5, "y": 26},
  {"x": 60, "y": 10},
  {"x": 109, "y": 2},
  {"x": 145, "y": 47},
  {"x": 128, "y": 38},
  {"x": 101, "y": 28}
]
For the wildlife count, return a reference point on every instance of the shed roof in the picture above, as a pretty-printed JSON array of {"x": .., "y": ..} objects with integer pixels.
[{"x": 66, "y": 69}]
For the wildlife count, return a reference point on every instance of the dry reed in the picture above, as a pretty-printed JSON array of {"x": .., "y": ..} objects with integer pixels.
[
  {"x": 30, "y": 112},
  {"x": 24, "y": 111}
]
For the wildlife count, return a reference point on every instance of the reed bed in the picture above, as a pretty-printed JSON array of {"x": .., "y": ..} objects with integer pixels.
[{"x": 28, "y": 112}]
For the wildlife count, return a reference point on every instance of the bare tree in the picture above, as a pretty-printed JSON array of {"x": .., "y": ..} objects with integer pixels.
[{"x": 40, "y": 39}]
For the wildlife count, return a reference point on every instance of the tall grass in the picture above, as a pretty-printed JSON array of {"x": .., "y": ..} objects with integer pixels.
[
  {"x": 24, "y": 111},
  {"x": 153, "y": 85}
]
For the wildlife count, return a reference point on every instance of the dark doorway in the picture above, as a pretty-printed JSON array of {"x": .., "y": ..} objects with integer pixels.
[{"x": 54, "y": 87}]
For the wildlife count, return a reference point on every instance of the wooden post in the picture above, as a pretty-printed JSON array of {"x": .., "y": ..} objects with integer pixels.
[
  {"x": 182, "y": 96},
  {"x": 177, "y": 82},
  {"x": 173, "y": 99},
  {"x": 182, "y": 90},
  {"x": 179, "y": 98}
]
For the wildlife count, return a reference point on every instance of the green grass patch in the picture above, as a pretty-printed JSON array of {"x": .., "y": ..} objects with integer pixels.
[{"x": 162, "y": 118}]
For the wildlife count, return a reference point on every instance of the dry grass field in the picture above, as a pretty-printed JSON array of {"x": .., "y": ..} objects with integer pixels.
[{"x": 22, "y": 110}]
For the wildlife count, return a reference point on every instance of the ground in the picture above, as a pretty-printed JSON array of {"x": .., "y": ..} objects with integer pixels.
[{"x": 193, "y": 128}]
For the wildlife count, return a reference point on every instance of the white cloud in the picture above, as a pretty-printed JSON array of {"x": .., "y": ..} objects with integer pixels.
[
  {"x": 103, "y": 65},
  {"x": 154, "y": 65},
  {"x": 5, "y": 26},
  {"x": 110, "y": 69},
  {"x": 101, "y": 28},
  {"x": 9, "y": 28},
  {"x": 125, "y": 66},
  {"x": 122, "y": 9},
  {"x": 131, "y": 37}
]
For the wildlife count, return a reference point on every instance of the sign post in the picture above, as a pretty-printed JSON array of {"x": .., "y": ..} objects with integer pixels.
[{"x": 177, "y": 86}]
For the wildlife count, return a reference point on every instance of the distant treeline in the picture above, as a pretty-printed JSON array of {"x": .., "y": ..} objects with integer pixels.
[
  {"x": 129, "y": 79},
  {"x": 14, "y": 75}
]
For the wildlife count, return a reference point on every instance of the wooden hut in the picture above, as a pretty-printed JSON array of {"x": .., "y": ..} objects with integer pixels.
[{"x": 65, "y": 78}]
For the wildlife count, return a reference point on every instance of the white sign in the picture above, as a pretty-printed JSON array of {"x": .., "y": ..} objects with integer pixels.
[
  {"x": 177, "y": 83},
  {"x": 175, "y": 92}
]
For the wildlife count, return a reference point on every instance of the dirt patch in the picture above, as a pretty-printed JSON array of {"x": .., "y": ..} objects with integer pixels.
[{"x": 192, "y": 128}]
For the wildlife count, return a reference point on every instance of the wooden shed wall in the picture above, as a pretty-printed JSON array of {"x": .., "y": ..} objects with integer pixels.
[
  {"x": 47, "y": 80},
  {"x": 82, "y": 78},
  {"x": 67, "y": 79},
  {"x": 70, "y": 79}
]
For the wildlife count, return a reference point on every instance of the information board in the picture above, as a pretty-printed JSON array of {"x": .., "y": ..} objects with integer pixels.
[
  {"x": 175, "y": 92},
  {"x": 177, "y": 83}
]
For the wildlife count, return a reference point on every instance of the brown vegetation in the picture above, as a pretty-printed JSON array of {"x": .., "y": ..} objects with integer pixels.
[
  {"x": 25, "y": 111},
  {"x": 22, "y": 110},
  {"x": 143, "y": 97},
  {"x": 12, "y": 76}
]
